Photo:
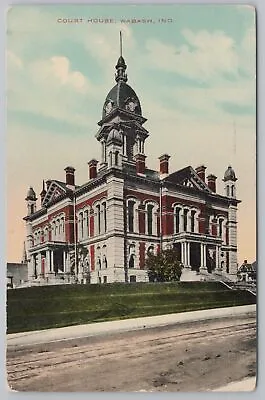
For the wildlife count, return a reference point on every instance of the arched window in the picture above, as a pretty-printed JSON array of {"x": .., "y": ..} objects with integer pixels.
[
  {"x": 98, "y": 219},
  {"x": 86, "y": 223},
  {"x": 185, "y": 219},
  {"x": 116, "y": 158},
  {"x": 81, "y": 219},
  {"x": 98, "y": 258},
  {"x": 104, "y": 257},
  {"x": 177, "y": 220},
  {"x": 150, "y": 250},
  {"x": 132, "y": 256},
  {"x": 131, "y": 205},
  {"x": 232, "y": 191},
  {"x": 104, "y": 205},
  {"x": 220, "y": 227},
  {"x": 192, "y": 220},
  {"x": 131, "y": 261},
  {"x": 110, "y": 158},
  {"x": 150, "y": 219},
  {"x": 32, "y": 208},
  {"x": 227, "y": 191}
]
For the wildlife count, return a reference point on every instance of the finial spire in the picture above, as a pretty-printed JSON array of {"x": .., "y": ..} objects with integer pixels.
[
  {"x": 120, "y": 44},
  {"x": 121, "y": 66}
]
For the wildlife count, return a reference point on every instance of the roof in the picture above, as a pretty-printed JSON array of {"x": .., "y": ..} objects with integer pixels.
[{"x": 120, "y": 96}]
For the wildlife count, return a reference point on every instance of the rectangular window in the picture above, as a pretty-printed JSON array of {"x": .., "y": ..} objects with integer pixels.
[
  {"x": 104, "y": 279},
  {"x": 132, "y": 278}
]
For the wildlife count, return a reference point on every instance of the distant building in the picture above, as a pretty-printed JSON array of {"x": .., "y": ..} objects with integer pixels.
[
  {"x": 17, "y": 274},
  {"x": 101, "y": 231},
  {"x": 247, "y": 272}
]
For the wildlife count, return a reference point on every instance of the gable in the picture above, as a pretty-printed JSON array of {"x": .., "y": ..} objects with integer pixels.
[
  {"x": 55, "y": 191},
  {"x": 189, "y": 178}
]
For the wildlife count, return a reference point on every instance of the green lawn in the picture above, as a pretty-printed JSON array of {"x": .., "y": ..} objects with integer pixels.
[{"x": 56, "y": 306}]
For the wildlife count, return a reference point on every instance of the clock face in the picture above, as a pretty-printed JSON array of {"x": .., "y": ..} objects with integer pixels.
[
  {"x": 108, "y": 107},
  {"x": 131, "y": 106}
]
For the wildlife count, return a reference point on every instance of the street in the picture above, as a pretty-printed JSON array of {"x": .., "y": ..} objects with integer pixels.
[{"x": 190, "y": 356}]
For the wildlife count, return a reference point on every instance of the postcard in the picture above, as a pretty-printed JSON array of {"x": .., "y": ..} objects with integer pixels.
[{"x": 131, "y": 161}]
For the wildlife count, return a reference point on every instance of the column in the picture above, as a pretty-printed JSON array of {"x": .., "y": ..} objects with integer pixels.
[
  {"x": 188, "y": 254},
  {"x": 204, "y": 255},
  {"x": 102, "y": 151},
  {"x": 39, "y": 264},
  {"x": 189, "y": 221},
  {"x": 52, "y": 266},
  {"x": 217, "y": 258},
  {"x": 64, "y": 261},
  {"x": 125, "y": 145},
  {"x": 48, "y": 262},
  {"x": 182, "y": 253},
  {"x": 185, "y": 253}
]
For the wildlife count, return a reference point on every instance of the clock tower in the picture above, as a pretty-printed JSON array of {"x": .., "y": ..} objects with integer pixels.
[{"x": 122, "y": 122}]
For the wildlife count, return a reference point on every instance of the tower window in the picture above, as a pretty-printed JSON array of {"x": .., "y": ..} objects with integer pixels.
[
  {"x": 227, "y": 191},
  {"x": 232, "y": 191}
]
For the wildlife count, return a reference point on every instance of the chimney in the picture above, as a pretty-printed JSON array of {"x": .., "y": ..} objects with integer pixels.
[
  {"x": 211, "y": 182},
  {"x": 164, "y": 164},
  {"x": 92, "y": 165},
  {"x": 70, "y": 177},
  {"x": 140, "y": 163},
  {"x": 201, "y": 172}
]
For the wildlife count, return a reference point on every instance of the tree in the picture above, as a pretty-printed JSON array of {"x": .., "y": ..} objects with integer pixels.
[
  {"x": 164, "y": 267},
  {"x": 79, "y": 263}
]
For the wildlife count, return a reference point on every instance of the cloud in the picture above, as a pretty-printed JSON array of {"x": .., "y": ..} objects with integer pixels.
[
  {"x": 57, "y": 70},
  {"x": 203, "y": 56},
  {"x": 52, "y": 89},
  {"x": 13, "y": 61}
]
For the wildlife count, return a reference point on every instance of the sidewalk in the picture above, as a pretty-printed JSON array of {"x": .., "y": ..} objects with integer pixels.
[
  {"x": 99, "y": 328},
  {"x": 247, "y": 385}
]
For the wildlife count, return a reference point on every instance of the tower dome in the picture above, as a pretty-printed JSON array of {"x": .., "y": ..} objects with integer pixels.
[
  {"x": 229, "y": 174},
  {"x": 121, "y": 95},
  {"x": 31, "y": 195}
]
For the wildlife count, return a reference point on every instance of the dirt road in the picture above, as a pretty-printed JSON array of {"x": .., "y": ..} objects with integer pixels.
[{"x": 187, "y": 357}]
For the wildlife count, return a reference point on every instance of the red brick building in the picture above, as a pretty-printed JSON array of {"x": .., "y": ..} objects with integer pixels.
[{"x": 104, "y": 229}]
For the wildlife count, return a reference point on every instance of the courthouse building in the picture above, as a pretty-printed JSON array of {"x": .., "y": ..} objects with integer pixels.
[{"x": 102, "y": 231}]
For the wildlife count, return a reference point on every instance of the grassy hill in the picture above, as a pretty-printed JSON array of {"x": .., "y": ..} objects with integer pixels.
[{"x": 56, "y": 306}]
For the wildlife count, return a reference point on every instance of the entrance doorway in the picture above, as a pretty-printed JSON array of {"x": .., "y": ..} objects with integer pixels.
[{"x": 195, "y": 256}]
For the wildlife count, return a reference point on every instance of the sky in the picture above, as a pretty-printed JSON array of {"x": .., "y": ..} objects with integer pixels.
[{"x": 194, "y": 76}]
